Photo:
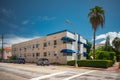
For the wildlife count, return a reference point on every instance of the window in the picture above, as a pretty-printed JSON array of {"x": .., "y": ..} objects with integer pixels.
[
  {"x": 33, "y": 54},
  {"x": 7, "y": 52},
  {"x": 37, "y": 45},
  {"x": 45, "y": 54},
  {"x": 45, "y": 44},
  {"x": 49, "y": 53},
  {"x": 33, "y": 47},
  {"x": 37, "y": 54},
  {"x": 55, "y": 54},
  {"x": 20, "y": 49},
  {"x": 24, "y": 55},
  {"x": 67, "y": 54},
  {"x": 55, "y": 42},
  {"x": 67, "y": 41},
  {"x": 49, "y": 43},
  {"x": 25, "y": 49}
]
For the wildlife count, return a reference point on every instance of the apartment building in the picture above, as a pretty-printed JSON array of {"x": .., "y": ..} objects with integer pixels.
[{"x": 57, "y": 47}]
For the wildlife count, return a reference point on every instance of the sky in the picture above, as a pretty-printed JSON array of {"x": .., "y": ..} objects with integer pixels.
[{"x": 22, "y": 20}]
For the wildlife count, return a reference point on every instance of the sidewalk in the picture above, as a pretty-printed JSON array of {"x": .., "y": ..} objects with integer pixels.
[{"x": 115, "y": 67}]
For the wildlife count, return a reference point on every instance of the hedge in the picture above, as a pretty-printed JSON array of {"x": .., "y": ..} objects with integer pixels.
[{"x": 92, "y": 63}]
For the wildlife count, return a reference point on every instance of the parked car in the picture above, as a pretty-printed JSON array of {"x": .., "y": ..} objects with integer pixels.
[
  {"x": 20, "y": 60},
  {"x": 42, "y": 62},
  {"x": 6, "y": 61}
]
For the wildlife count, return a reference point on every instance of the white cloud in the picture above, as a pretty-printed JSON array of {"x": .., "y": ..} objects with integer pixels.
[
  {"x": 112, "y": 35},
  {"x": 25, "y": 22},
  {"x": 37, "y": 19},
  {"x": 16, "y": 39},
  {"x": 102, "y": 36},
  {"x": 47, "y": 18},
  {"x": 102, "y": 42}
]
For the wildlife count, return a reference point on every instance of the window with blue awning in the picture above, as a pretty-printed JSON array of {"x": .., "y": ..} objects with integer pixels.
[
  {"x": 80, "y": 42},
  {"x": 85, "y": 45},
  {"x": 67, "y": 51},
  {"x": 68, "y": 38}
]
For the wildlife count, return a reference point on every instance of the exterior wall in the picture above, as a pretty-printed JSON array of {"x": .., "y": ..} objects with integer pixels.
[
  {"x": 47, "y": 48},
  {"x": 7, "y": 52}
]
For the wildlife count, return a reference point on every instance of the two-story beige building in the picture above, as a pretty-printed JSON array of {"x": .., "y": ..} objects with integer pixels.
[{"x": 58, "y": 47}]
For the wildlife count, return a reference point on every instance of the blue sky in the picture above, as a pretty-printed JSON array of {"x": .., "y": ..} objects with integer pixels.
[{"x": 33, "y": 18}]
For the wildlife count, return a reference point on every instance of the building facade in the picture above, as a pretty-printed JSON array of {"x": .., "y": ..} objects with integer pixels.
[
  {"x": 57, "y": 47},
  {"x": 7, "y": 52}
]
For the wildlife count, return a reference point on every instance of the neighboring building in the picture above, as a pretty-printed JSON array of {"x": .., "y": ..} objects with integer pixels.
[
  {"x": 98, "y": 45},
  {"x": 7, "y": 52},
  {"x": 58, "y": 47}
]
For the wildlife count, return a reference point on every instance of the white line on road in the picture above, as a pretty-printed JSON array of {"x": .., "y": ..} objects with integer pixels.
[
  {"x": 78, "y": 75},
  {"x": 46, "y": 76}
]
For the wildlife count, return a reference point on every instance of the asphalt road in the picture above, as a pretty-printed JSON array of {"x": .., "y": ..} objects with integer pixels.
[{"x": 10, "y": 71}]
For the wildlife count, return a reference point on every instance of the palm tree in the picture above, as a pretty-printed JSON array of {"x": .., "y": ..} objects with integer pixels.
[{"x": 96, "y": 18}]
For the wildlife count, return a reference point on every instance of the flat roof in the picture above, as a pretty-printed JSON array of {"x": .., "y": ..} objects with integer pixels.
[{"x": 60, "y": 32}]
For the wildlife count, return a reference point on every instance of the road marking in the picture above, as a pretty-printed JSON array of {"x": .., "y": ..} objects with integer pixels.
[
  {"x": 78, "y": 75},
  {"x": 46, "y": 76}
]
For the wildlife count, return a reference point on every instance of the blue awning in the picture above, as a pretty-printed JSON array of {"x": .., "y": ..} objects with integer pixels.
[
  {"x": 67, "y": 38},
  {"x": 67, "y": 51},
  {"x": 86, "y": 45},
  {"x": 79, "y": 42}
]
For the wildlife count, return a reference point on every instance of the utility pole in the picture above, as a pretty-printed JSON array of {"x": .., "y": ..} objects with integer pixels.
[{"x": 2, "y": 51}]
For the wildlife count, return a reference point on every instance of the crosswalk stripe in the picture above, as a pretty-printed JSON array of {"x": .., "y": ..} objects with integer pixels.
[
  {"x": 46, "y": 76},
  {"x": 78, "y": 75}
]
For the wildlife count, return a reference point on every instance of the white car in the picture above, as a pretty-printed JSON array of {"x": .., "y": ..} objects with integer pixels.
[{"x": 42, "y": 62}]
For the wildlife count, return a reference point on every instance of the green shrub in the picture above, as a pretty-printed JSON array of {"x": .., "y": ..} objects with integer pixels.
[
  {"x": 92, "y": 63},
  {"x": 13, "y": 57},
  {"x": 105, "y": 55},
  {"x": 71, "y": 62}
]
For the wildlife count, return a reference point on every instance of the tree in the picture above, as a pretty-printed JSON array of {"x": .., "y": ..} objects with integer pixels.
[
  {"x": 1, "y": 53},
  {"x": 108, "y": 47},
  {"x": 13, "y": 57},
  {"x": 116, "y": 44},
  {"x": 107, "y": 43},
  {"x": 96, "y": 18}
]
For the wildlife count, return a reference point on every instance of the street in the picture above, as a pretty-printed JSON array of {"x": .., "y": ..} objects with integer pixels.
[{"x": 10, "y": 71}]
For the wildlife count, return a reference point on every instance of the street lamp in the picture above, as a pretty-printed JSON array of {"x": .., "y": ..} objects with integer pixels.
[{"x": 68, "y": 22}]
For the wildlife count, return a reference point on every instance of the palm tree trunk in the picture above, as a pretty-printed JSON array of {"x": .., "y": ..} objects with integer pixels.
[{"x": 94, "y": 44}]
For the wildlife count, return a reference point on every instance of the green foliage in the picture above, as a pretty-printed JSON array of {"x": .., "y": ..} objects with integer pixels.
[
  {"x": 1, "y": 50},
  {"x": 105, "y": 55},
  {"x": 89, "y": 46},
  {"x": 13, "y": 57},
  {"x": 92, "y": 63},
  {"x": 104, "y": 48},
  {"x": 71, "y": 62},
  {"x": 116, "y": 43}
]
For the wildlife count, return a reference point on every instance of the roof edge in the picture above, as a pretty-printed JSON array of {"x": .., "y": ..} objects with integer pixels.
[{"x": 60, "y": 32}]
